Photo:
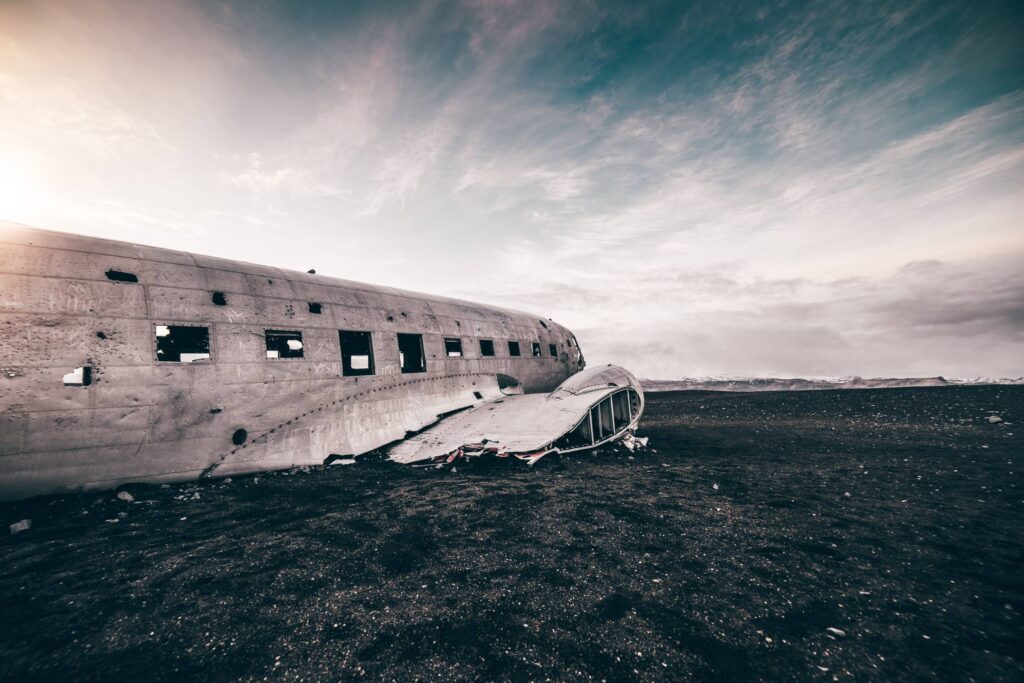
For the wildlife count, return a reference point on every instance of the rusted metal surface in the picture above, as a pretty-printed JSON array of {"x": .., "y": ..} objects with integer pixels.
[{"x": 142, "y": 419}]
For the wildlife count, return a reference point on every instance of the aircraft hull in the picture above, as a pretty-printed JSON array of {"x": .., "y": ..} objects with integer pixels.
[{"x": 142, "y": 419}]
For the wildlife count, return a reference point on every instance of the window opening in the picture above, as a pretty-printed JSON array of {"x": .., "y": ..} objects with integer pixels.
[
  {"x": 453, "y": 347},
  {"x": 182, "y": 343},
  {"x": 620, "y": 408},
  {"x": 356, "y": 353},
  {"x": 535, "y": 346},
  {"x": 121, "y": 276},
  {"x": 543, "y": 324},
  {"x": 513, "y": 348},
  {"x": 486, "y": 347},
  {"x": 79, "y": 377},
  {"x": 410, "y": 353},
  {"x": 579, "y": 437},
  {"x": 219, "y": 299},
  {"x": 553, "y": 350},
  {"x": 315, "y": 307},
  {"x": 604, "y": 410},
  {"x": 284, "y": 344}
]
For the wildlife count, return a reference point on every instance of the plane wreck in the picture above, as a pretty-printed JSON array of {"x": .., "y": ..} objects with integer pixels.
[
  {"x": 589, "y": 409},
  {"x": 124, "y": 363}
]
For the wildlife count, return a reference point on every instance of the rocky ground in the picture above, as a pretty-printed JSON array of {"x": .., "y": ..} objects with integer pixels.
[{"x": 871, "y": 534}]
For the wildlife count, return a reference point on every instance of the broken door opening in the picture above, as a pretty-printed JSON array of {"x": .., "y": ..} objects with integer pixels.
[
  {"x": 356, "y": 353},
  {"x": 410, "y": 353},
  {"x": 182, "y": 343},
  {"x": 284, "y": 344}
]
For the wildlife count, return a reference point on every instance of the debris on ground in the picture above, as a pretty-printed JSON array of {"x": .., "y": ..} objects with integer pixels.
[{"x": 125, "y": 496}]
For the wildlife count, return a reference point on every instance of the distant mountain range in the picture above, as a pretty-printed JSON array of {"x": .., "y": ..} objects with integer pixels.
[{"x": 800, "y": 384}]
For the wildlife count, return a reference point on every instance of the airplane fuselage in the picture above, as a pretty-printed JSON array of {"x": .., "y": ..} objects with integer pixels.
[{"x": 125, "y": 363}]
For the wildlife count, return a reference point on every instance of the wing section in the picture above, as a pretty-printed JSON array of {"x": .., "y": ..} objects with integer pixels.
[{"x": 591, "y": 408}]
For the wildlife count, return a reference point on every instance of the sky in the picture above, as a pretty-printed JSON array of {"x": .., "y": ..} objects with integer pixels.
[{"x": 741, "y": 189}]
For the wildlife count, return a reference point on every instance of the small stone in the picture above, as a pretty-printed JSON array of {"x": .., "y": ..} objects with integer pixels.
[
  {"x": 993, "y": 419},
  {"x": 125, "y": 496},
  {"x": 23, "y": 525},
  {"x": 836, "y": 631},
  {"x": 846, "y": 495},
  {"x": 714, "y": 486}
]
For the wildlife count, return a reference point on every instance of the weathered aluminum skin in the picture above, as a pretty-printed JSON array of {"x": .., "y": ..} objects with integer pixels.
[
  {"x": 528, "y": 423},
  {"x": 146, "y": 420}
]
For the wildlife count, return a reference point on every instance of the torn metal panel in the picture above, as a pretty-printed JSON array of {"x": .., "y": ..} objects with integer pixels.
[{"x": 602, "y": 403}]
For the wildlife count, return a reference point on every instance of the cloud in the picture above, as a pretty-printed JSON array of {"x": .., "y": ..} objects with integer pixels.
[{"x": 709, "y": 189}]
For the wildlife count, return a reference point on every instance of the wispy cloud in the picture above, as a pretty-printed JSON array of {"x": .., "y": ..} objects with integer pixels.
[{"x": 704, "y": 189}]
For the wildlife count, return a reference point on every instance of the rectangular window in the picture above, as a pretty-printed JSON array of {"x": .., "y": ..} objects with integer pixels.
[
  {"x": 79, "y": 377},
  {"x": 553, "y": 350},
  {"x": 410, "y": 353},
  {"x": 513, "y": 348},
  {"x": 284, "y": 344},
  {"x": 356, "y": 353},
  {"x": 182, "y": 343},
  {"x": 486, "y": 347},
  {"x": 452, "y": 347},
  {"x": 535, "y": 346}
]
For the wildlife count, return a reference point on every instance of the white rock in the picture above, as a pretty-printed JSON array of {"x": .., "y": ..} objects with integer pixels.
[
  {"x": 994, "y": 419},
  {"x": 23, "y": 525},
  {"x": 714, "y": 486},
  {"x": 344, "y": 461},
  {"x": 125, "y": 496},
  {"x": 836, "y": 631}
]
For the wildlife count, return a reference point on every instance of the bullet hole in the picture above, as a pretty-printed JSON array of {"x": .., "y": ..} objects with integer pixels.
[
  {"x": 219, "y": 299},
  {"x": 543, "y": 324},
  {"x": 101, "y": 335},
  {"x": 239, "y": 437},
  {"x": 391, "y": 318},
  {"x": 477, "y": 395},
  {"x": 403, "y": 315},
  {"x": 215, "y": 410},
  {"x": 121, "y": 276},
  {"x": 315, "y": 307}
]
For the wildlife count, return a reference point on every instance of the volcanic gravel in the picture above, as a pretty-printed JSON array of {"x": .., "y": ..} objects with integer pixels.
[{"x": 869, "y": 534}]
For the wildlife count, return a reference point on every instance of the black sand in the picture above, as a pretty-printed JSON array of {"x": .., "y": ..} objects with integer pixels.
[{"x": 586, "y": 567}]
